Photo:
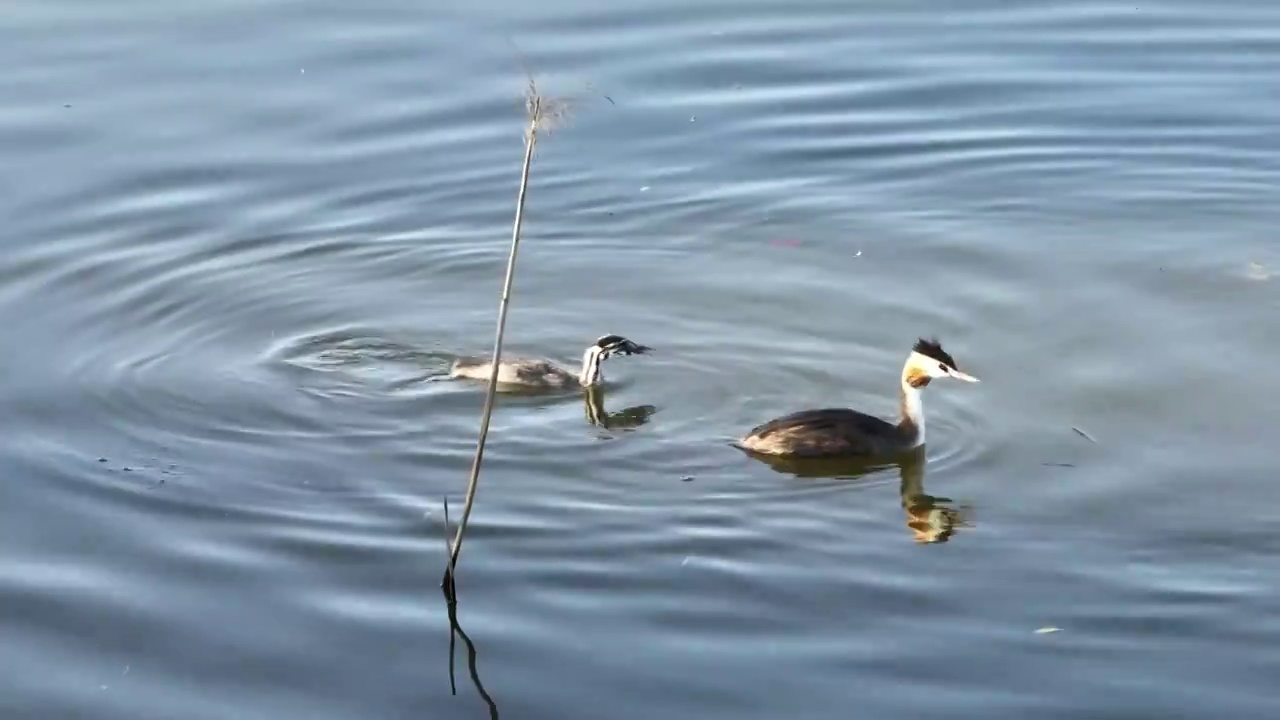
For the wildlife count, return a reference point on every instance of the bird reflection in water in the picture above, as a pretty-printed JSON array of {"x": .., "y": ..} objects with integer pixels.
[
  {"x": 625, "y": 419},
  {"x": 931, "y": 519}
]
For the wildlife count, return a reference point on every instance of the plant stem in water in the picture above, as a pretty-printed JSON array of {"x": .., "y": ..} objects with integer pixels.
[{"x": 531, "y": 140}]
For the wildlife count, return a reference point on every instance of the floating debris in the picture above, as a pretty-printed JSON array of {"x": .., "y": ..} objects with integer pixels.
[
  {"x": 1257, "y": 272},
  {"x": 1083, "y": 434},
  {"x": 1047, "y": 630}
]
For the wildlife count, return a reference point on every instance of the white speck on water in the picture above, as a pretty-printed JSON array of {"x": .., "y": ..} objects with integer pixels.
[
  {"x": 1047, "y": 630},
  {"x": 1257, "y": 272},
  {"x": 858, "y": 254},
  {"x": 644, "y": 189},
  {"x": 693, "y": 118}
]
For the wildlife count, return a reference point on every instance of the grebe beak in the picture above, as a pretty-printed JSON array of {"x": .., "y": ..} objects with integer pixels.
[{"x": 961, "y": 376}]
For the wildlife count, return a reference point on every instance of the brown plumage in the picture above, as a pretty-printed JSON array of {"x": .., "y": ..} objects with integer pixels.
[
  {"x": 828, "y": 431},
  {"x": 845, "y": 432}
]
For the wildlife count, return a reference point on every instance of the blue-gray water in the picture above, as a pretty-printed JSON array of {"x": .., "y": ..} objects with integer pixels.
[{"x": 242, "y": 241}]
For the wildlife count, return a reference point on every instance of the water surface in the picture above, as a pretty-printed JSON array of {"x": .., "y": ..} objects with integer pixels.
[{"x": 243, "y": 241}]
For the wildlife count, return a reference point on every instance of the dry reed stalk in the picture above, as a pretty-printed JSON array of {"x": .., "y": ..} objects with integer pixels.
[{"x": 543, "y": 113}]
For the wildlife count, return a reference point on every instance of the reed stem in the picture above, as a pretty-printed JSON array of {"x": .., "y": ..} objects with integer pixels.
[{"x": 531, "y": 140}]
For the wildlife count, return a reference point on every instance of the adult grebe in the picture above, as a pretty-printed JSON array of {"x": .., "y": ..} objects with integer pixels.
[
  {"x": 845, "y": 432},
  {"x": 536, "y": 374}
]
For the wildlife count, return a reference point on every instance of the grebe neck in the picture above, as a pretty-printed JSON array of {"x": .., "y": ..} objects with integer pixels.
[
  {"x": 592, "y": 373},
  {"x": 912, "y": 408}
]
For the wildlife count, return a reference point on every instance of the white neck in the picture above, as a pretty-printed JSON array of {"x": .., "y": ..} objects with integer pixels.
[
  {"x": 591, "y": 373},
  {"x": 913, "y": 409}
]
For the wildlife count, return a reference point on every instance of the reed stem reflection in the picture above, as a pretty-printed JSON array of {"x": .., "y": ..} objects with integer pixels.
[{"x": 455, "y": 632}]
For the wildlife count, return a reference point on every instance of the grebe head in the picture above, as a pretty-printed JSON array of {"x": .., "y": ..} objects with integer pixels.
[
  {"x": 618, "y": 345},
  {"x": 603, "y": 348},
  {"x": 928, "y": 361}
]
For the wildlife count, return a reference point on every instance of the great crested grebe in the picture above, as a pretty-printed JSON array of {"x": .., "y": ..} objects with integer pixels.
[
  {"x": 845, "y": 432},
  {"x": 536, "y": 374}
]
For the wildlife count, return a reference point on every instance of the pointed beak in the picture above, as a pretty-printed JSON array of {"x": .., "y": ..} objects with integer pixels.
[
  {"x": 961, "y": 376},
  {"x": 641, "y": 349}
]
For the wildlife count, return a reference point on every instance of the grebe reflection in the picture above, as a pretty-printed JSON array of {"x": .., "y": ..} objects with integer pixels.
[
  {"x": 929, "y": 518},
  {"x": 624, "y": 419}
]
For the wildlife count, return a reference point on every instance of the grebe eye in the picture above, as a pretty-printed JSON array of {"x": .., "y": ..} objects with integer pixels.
[{"x": 942, "y": 367}]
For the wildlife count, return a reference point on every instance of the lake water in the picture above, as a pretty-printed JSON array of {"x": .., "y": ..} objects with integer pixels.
[{"x": 242, "y": 241}]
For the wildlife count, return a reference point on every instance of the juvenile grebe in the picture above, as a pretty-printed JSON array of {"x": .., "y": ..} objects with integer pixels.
[
  {"x": 845, "y": 432},
  {"x": 536, "y": 374}
]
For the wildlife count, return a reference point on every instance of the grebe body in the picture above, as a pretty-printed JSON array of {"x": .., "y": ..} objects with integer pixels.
[
  {"x": 830, "y": 432},
  {"x": 517, "y": 374}
]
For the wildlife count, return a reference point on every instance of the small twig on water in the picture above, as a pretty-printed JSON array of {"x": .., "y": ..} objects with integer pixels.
[
  {"x": 1083, "y": 434},
  {"x": 543, "y": 113}
]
